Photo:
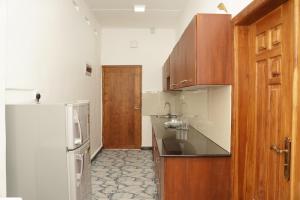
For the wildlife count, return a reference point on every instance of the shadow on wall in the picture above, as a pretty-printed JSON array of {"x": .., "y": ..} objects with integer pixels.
[{"x": 154, "y": 103}]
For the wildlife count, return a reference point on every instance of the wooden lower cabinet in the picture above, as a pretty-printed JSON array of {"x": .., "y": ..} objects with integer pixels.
[{"x": 192, "y": 178}]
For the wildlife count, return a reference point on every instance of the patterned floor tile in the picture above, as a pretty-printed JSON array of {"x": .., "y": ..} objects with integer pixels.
[{"x": 123, "y": 175}]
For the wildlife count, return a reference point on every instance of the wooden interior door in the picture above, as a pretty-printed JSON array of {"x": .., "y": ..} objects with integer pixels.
[
  {"x": 264, "y": 107},
  {"x": 273, "y": 105},
  {"x": 122, "y": 107}
]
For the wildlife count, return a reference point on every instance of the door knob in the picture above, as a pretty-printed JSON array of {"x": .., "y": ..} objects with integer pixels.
[{"x": 287, "y": 156}]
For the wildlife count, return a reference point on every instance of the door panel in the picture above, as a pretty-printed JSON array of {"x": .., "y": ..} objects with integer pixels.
[
  {"x": 122, "y": 107},
  {"x": 261, "y": 136},
  {"x": 274, "y": 128}
]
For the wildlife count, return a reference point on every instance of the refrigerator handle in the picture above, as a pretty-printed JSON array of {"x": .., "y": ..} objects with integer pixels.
[
  {"x": 80, "y": 157},
  {"x": 82, "y": 165},
  {"x": 77, "y": 121}
]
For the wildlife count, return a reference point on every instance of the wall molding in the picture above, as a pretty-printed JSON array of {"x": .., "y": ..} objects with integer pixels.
[
  {"x": 146, "y": 148},
  {"x": 95, "y": 154}
]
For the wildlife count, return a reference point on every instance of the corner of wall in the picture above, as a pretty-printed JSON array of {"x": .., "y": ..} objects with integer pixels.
[{"x": 3, "y": 27}]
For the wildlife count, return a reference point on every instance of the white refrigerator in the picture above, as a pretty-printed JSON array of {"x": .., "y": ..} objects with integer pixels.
[{"x": 48, "y": 151}]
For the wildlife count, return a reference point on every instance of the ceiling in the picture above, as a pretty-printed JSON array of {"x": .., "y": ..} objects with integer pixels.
[{"x": 119, "y": 13}]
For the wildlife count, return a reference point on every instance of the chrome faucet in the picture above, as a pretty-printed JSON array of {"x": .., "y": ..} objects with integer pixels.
[{"x": 168, "y": 103}]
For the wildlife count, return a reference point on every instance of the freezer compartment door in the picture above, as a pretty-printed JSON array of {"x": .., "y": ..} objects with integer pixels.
[
  {"x": 77, "y": 128},
  {"x": 79, "y": 169}
]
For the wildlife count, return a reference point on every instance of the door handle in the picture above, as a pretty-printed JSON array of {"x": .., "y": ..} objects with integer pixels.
[
  {"x": 184, "y": 81},
  {"x": 80, "y": 158},
  {"x": 137, "y": 108},
  {"x": 77, "y": 141},
  {"x": 275, "y": 148},
  {"x": 287, "y": 156}
]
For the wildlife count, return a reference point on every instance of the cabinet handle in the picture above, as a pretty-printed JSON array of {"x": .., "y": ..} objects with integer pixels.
[
  {"x": 173, "y": 84},
  {"x": 184, "y": 81}
]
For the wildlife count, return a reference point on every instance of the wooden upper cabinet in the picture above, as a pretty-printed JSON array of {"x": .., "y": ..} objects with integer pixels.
[{"x": 203, "y": 55}]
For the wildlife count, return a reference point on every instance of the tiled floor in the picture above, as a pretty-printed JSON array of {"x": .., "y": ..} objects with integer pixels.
[{"x": 123, "y": 175}]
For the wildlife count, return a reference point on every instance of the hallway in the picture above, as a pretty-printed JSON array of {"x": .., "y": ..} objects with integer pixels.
[{"x": 123, "y": 175}]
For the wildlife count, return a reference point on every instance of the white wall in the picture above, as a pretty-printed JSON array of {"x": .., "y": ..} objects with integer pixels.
[
  {"x": 2, "y": 103},
  {"x": 207, "y": 6},
  {"x": 152, "y": 51},
  {"x": 49, "y": 44}
]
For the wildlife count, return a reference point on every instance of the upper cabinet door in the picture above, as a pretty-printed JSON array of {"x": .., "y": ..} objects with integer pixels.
[
  {"x": 174, "y": 66},
  {"x": 214, "y": 49},
  {"x": 166, "y": 75},
  {"x": 183, "y": 59},
  {"x": 187, "y": 56}
]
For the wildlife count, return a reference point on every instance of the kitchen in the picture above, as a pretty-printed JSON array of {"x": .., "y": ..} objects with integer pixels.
[{"x": 56, "y": 48}]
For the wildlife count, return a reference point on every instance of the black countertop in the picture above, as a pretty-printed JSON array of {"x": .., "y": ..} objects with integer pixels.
[{"x": 184, "y": 143}]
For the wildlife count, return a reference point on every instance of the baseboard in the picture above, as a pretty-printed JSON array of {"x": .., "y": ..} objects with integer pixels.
[
  {"x": 96, "y": 153},
  {"x": 146, "y": 148}
]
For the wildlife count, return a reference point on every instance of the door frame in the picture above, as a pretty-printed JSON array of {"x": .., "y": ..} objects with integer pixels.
[
  {"x": 254, "y": 11},
  {"x": 102, "y": 98},
  {"x": 295, "y": 193}
]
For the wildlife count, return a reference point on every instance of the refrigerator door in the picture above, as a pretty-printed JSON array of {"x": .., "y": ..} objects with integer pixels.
[
  {"x": 79, "y": 168},
  {"x": 77, "y": 128}
]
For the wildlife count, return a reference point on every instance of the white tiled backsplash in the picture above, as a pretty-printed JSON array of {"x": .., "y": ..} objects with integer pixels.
[
  {"x": 208, "y": 110},
  {"x": 154, "y": 103}
]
